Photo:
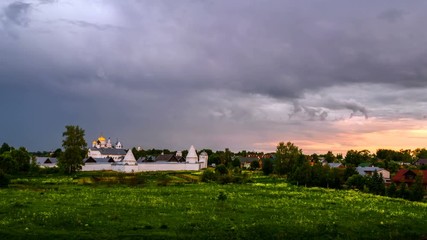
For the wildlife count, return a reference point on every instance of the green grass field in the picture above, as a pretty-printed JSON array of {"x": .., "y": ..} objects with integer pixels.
[{"x": 176, "y": 206}]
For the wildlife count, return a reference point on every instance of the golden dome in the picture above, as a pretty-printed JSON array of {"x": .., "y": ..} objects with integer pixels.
[
  {"x": 101, "y": 139},
  {"x": 94, "y": 142}
]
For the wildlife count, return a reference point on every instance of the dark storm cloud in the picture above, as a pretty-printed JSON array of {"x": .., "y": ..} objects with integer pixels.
[
  {"x": 391, "y": 15},
  {"x": 16, "y": 13},
  {"x": 155, "y": 63},
  {"x": 285, "y": 48}
]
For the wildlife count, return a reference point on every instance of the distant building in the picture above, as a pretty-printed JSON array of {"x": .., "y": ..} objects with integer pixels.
[
  {"x": 103, "y": 148},
  {"x": 421, "y": 162},
  {"x": 369, "y": 171},
  {"x": 46, "y": 162},
  {"x": 408, "y": 177},
  {"x": 245, "y": 162},
  {"x": 164, "y": 162}
]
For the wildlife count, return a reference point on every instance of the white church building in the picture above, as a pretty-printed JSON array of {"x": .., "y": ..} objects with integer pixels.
[
  {"x": 128, "y": 164},
  {"x": 103, "y": 148}
]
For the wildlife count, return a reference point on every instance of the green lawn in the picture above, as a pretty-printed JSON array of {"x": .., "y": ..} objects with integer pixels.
[{"x": 95, "y": 206}]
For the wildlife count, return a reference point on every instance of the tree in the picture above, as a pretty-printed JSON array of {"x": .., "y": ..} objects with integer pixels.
[
  {"x": 254, "y": 165},
  {"x": 236, "y": 162},
  {"x": 75, "y": 149},
  {"x": 417, "y": 189},
  {"x": 22, "y": 158},
  {"x": 267, "y": 166},
  {"x": 7, "y": 163},
  {"x": 391, "y": 191},
  {"x": 288, "y": 157},
  {"x": 355, "y": 157},
  {"x": 57, "y": 153},
  {"x": 5, "y": 148},
  {"x": 376, "y": 184},
  {"x": 330, "y": 157},
  {"x": 221, "y": 169},
  {"x": 4, "y": 180},
  {"x": 356, "y": 181}
]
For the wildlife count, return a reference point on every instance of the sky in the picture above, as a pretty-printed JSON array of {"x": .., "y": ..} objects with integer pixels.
[{"x": 243, "y": 74}]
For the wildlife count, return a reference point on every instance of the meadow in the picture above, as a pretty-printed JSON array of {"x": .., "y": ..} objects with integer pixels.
[{"x": 177, "y": 206}]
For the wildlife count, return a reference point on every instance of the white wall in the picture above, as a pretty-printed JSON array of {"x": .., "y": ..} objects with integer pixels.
[
  {"x": 145, "y": 167},
  {"x": 385, "y": 173},
  {"x": 96, "y": 166},
  {"x": 125, "y": 168}
]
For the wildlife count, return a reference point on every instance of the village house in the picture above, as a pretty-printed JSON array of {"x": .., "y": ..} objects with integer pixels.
[
  {"x": 421, "y": 162},
  {"x": 408, "y": 177},
  {"x": 369, "y": 171},
  {"x": 245, "y": 162}
]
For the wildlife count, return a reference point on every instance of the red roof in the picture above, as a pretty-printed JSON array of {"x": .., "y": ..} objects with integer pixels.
[{"x": 400, "y": 175}]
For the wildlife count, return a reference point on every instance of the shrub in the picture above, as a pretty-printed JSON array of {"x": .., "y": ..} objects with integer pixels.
[
  {"x": 391, "y": 191},
  {"x": 267, "y": 167},
  {"x": 208, "y": 175},
  {"x": 222, "y": 196},
  {"x": 4, "y": 179},
  {"x": 221, "y": 169}
]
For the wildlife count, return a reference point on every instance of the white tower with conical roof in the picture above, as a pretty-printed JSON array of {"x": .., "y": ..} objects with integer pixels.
[
  {"x": 192, "y": 155},
  {"x": 129, "y": 158}
]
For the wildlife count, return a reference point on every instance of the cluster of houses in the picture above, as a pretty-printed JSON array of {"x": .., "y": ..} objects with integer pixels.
[{"x": 405, "y": 176}]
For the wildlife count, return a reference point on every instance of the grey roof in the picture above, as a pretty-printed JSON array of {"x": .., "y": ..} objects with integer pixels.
[
  {"x": 146, "y": 159},
  {"x": 110, "y": 151},
  {"x": 167, "y": 158},
  {"x": 335, "y": 165},
  {"x": 421, "y": 162},
  {"x": 98, "y": 160},
  {"x": 46, "y": 160},
  {"x": 248, "y": 159},
  {"x": 363, "y": 170}
]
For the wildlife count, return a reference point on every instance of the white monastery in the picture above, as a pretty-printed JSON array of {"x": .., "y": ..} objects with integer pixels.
[
  {"x": 102, "y": 148},
  {"x": 103, "y": 155}
]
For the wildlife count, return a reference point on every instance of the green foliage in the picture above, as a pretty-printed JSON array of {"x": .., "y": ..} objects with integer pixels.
[
  {"x": 417, "y": 189},
  {"x": 7, "y": 163},
  {"x": 356, "y": 181},
  {"x": 375, "y": 183},
  {"x": 222, "y": 196},
  {"x": 221, "y": 169},
  {"x": 354, "y": 157},
  {"x": 208, "y": 175},
  {"x": 403, "y": 192},
  {"x": 267, "y": 166},
  {"x": 392, "y": 190},
  {"x": 330, "y": 157},
  {"x": 236, "y": 162},
  {"x": 58, "y": 207},
  {"x": 74, "y": 149},
  {"x": 254, "y": 165},
  {"x": 287, "y": 157},
  {"x": 5, "y": 148},
  {"x": 4, "y": 179}
]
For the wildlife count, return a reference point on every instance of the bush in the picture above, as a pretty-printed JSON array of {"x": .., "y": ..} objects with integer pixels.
[
  {"x": 267, "y": 167},
  {"x": 208, "y": 175},
  {"x": 222, "y": 196},
  {"x": 4, "y": 179},
  {"x": 221, "y": 169},
  {"x": 356, "y": 181}
]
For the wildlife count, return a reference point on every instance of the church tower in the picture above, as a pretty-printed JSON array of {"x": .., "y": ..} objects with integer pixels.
[{"x": 192, "y": 155}]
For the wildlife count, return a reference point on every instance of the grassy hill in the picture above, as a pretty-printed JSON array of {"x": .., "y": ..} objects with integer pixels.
[{"x": 176, "y": 206}]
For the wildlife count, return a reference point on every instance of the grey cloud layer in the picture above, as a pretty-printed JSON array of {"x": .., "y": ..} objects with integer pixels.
[{"x": 159, "y": 57}]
